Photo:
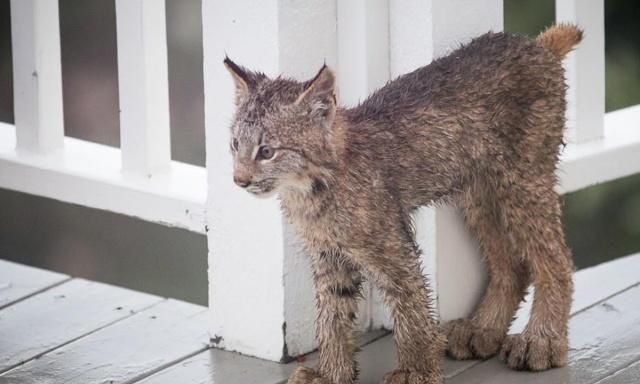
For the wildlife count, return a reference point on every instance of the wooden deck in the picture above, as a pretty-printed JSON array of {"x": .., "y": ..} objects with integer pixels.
[{"x": 57, "y": 329}]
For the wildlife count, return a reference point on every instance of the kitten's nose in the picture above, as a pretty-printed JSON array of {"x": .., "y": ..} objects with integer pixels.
[{"x": 241, "y": 181}]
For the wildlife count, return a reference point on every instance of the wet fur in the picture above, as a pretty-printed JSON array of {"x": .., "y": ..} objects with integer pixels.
[{"x": 480, "y": 128}]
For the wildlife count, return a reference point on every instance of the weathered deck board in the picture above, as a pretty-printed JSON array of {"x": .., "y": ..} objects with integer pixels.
[
  {"x": 219, "y": 367},
  {"x": 19, "y": 281},
  {"x": 61, "y": 314},
  {"x": 627, "y": 375},
  {"x": 215, "y": 366},
  {"x": 128, "y": 350},
  {"x": 604, "y": 339}
]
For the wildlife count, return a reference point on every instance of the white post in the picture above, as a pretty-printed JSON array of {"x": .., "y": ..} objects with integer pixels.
[
  {"x": 585, "y": 69},
  {"x": 37, "y": 77},
  {"x": 363, "y": 66},
  {"x": 143, "y": 86},
  {"x": 260, "y": 295},
  {"x": 363, "y": 48},
  {"x": 421, "y": 30}
]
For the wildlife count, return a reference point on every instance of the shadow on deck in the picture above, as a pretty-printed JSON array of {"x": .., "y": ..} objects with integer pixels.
[{"x": 56, "y": 329}]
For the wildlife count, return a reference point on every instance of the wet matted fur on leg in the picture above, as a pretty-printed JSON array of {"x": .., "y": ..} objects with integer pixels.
[{"x": 480, "y": 128}]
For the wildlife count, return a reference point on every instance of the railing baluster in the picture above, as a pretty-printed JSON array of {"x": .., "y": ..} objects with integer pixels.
[
  {"x": 585, "y": 69},
  {"x": 143, "y": 86},
  {"x": 37, "y": 77},
  {"x": 363, "y": 48}
]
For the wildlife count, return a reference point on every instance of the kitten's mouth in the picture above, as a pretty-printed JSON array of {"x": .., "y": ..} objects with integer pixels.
[{"x": 262, "y": 188}]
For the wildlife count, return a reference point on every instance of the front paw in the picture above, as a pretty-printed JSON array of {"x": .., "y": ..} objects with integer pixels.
[
  {"x": 411, "y": 377},
  {"x": 533, "y": 352},
  {"x": 304, "y": 375},
  {"x": 466, "y": 341}
]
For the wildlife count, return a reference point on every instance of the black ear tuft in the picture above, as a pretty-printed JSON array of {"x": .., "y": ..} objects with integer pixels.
[
  {"x": 246, "y": 80},
  {"x": 237, "y": 71}
]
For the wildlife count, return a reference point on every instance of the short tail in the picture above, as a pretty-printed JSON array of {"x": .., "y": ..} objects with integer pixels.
[{"x": 560, "y": 39}]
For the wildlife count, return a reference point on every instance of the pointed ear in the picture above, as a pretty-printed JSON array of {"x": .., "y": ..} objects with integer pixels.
[
  {"x": 320, "y": 94},
  {"x": 246, "y": 80}
]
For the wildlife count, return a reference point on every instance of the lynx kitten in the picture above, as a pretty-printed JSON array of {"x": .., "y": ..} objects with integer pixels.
[{"x": 480, "y": 128}]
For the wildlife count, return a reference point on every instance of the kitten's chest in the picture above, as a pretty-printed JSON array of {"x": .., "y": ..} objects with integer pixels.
[{"x": 315, "y": 221}]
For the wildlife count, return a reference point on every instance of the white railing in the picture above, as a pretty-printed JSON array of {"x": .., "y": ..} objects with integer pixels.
[
  {"x": 143, "y": 86},
  {"x": 261, "y": 296},
  {"x": 139, "y": 179}
]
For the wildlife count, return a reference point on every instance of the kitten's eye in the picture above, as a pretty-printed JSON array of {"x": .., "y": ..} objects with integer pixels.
[
  {"x": 266, "y": 152},
  {"x": 234, "y": 144}
]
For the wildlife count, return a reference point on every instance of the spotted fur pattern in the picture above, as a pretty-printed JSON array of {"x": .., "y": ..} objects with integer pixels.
[{"x": 480, "y": 128}]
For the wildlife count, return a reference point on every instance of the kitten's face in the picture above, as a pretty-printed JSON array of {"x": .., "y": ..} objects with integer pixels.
[
  {"x": 265, "y": 159},
  {"x": 279, "y": 132}
]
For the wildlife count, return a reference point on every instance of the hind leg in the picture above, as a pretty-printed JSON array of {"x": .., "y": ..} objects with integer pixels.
[
  {"x": 481, "y": 335},
  {"x": 533, "y": 214}
]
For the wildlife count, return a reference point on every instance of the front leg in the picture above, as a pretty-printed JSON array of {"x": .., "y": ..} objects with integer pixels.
[
  {"x": 395, "y": 267},
  {"x": 338, "y": 288}
]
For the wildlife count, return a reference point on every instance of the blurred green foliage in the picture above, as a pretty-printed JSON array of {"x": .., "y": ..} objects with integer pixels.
[{"x": 602, "y": 222}]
